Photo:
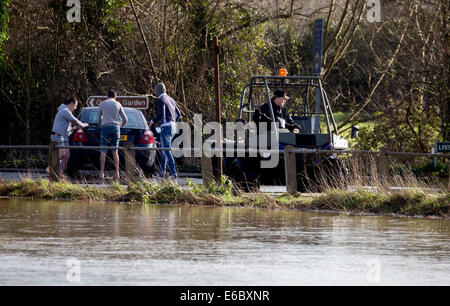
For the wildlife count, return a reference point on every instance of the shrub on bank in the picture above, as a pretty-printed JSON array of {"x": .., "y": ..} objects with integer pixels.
[
  {"x": 29, "y": 163},
  {"x": 430, "y": 170},
  {"x": 44, "y": 189},
  {"x": 407, "y": 202},
  {"x": 151, "y": 192}
]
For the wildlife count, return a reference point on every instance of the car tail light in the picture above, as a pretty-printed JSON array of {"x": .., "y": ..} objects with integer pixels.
[
  {"x": 80, "y": 135},
  {"x": 147, "y": 137}
]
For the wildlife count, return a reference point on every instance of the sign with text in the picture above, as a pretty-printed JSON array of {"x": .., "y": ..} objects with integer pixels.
[
  {"x": 443, "y": 147},
  {"x": 317, "y": 46},
  {"x": 138, "y": 102}
]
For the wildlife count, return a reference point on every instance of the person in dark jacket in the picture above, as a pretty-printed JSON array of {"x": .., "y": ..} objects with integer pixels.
[
  {"x": 168, "y": 113},
  {"x": 281, "y": 114}
]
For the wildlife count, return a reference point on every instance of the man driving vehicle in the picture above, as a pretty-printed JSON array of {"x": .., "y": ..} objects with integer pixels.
[{"x": 281, "y": 114}]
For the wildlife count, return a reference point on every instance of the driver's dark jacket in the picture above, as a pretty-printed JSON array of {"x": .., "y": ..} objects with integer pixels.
[{"x": 266, "y": 116}]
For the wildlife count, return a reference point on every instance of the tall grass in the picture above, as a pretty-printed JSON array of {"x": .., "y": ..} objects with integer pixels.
[
  {"x": 407, "y": 202},
  {"x": 362, "y": 171},
  {"x": 44, "y": 189}
]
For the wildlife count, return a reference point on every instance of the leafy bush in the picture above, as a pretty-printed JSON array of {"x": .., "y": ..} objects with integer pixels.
[
  {"x": 34, "y": 162},
  {"x": 407, "y": 202},
  {"x": 428, "y": 169},
  {"x": 225, "y": 187}
]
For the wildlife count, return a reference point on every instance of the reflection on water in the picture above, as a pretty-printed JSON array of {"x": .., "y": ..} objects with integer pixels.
[{"x": 176, "y": 245}]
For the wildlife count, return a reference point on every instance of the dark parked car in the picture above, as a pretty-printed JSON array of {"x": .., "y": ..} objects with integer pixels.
[{"x": 136, "y": 131}]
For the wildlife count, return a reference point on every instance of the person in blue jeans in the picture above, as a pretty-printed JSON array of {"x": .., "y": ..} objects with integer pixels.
[
  {"x": 111, "y": 117},
  {"x": 168, "y": 113}
]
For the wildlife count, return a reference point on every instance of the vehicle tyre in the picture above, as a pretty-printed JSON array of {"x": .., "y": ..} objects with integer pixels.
[
  {"x": 242, "y": 177},
  {"x": 147, "y": 162},
  {"x": 338, "y": 173},
  {"x": 72, "y": 167},
  {"x": 328, "y": 173},
  {"x": 149, "y": 170}
]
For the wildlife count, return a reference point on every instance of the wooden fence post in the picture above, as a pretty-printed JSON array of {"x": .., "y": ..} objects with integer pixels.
[
  {"x": 53, "y": 154},
  {"x": 357, "y": 169},
  {"x": 384, "y": 165},
  {"x": 290, "y": 167},
  {"x": 207, "y": 171},
  {"x": 130, "y": 162}
]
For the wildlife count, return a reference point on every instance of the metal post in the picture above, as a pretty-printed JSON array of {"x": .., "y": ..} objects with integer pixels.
[
  {"x": 325, "y": 110},
  {"x": 290, "y": 167},
  {"x": 266, "y": 86},
  {"x": 53, "y": 154},
  {"x": 317, "y": 68},
  {"x": 130, "y": 162},
  {"x": 207, "y": 172},
  {"x": 433, "y": 150},
  {"x": 218, "y": 112}
]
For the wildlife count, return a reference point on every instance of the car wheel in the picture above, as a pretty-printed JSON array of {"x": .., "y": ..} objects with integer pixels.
[
  {"x": 72, "y": 167},
  {"x": 149, "y": 170},
  {"x": 242, "y": 178},
  {"x": 329, "y": 173}
]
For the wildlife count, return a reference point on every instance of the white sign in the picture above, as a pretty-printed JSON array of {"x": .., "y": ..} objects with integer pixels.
[{"x": 138, "y": 102}]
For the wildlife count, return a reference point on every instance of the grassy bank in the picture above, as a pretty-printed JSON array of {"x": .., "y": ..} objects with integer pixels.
[{"x": 408, "y": 202}]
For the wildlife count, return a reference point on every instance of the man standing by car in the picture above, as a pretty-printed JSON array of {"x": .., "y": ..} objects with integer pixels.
[
  {"x": 168, "y": 114},
  {"x": 109, "y": 115},
  {"x": 61, "y": 130}
]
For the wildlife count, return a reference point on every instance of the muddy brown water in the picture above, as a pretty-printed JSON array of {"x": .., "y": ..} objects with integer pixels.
[{"x": 78, "y": 243}]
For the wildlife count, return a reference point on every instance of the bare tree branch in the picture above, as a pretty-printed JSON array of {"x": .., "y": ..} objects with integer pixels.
[{"x": 149, "y": 54}]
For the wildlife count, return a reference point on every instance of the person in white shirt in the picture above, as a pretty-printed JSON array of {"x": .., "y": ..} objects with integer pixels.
[{"x": 109, "y": 119}]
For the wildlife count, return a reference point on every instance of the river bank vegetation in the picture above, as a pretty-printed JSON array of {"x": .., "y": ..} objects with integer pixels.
[{"x": 411, "y": 202}]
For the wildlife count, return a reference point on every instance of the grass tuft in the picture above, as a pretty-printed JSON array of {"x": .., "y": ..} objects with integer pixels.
[{"x": 406, "y": 202}]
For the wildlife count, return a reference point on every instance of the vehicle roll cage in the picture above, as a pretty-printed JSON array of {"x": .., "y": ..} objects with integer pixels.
[{"x": 286, "y": 82}]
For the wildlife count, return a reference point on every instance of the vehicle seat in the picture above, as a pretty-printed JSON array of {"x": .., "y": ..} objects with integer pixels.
[{"x": 304, "y": 122}]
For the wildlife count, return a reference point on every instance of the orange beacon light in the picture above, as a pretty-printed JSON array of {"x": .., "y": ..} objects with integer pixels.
[{"x": 282, "y": 72}]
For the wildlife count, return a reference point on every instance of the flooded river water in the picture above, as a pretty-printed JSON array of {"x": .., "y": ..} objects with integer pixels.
[{"x": 77, "y": 243}]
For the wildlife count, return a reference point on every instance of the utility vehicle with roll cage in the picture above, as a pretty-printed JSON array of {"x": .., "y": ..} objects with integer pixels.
[{"x": 311, "y": 111}]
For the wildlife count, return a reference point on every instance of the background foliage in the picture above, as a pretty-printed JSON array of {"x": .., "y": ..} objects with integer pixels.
[{"x": 393, "y": 74}]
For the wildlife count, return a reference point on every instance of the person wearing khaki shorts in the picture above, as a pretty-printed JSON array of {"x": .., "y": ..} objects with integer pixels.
[{"x": 62, "y": 128}]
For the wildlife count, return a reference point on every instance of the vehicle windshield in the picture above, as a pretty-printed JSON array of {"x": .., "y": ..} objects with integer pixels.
[
  {"x": 298, "y": 102},
  {"x": 135, "y": 120}
]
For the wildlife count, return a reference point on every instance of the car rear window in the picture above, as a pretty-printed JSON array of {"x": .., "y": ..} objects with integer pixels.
[{"x": 135, "y": 120}]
